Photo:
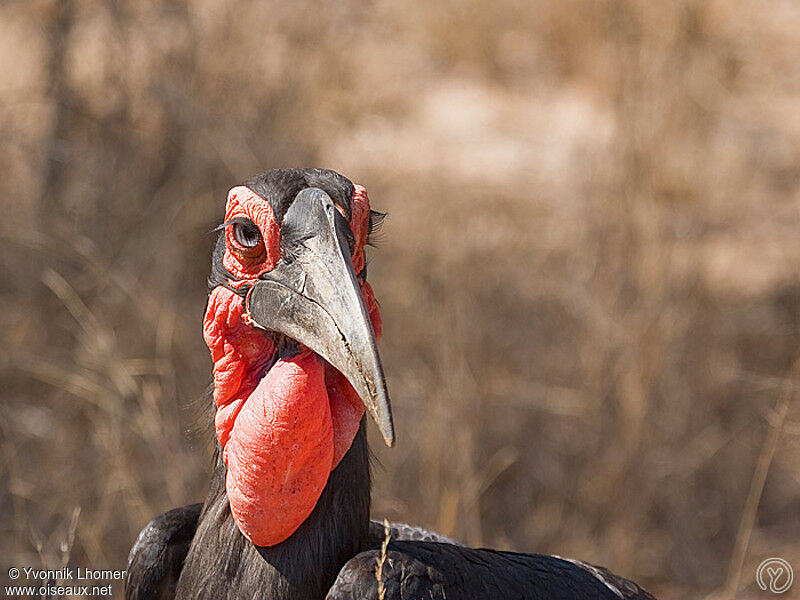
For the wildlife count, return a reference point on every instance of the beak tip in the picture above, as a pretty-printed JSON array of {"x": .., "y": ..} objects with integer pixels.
[{"x": 388, "y": 434}]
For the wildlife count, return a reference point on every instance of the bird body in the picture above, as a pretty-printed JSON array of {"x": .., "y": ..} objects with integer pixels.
[{"x": 292, "y": 326}]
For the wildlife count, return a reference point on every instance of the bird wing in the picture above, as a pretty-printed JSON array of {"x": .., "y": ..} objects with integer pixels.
[
  {"x": 439, "y": 571},
  {"x": 405, "y": 532},
  {"x": 156, "y": 560}
]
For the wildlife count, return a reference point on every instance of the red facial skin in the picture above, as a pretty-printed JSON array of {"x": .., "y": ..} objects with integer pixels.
[{"x": 282, "y": 430}]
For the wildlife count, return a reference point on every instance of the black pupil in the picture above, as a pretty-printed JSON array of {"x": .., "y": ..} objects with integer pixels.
[{"x": 246, "y": 234}]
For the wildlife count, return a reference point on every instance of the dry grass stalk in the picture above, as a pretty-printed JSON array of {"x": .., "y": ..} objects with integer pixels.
[
  {"x": 750, "y": 511},
  {"x": 387, "y": 536}
]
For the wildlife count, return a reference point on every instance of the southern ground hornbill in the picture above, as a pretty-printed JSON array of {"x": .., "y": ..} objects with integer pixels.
[{"x": 292, "y": 326}]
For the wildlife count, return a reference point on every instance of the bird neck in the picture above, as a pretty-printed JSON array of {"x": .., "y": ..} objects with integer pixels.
[
  {"x": 307, "y": 563},
  {"x": 336, "y": 530}
]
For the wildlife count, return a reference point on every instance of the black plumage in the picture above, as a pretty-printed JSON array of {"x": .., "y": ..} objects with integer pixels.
[
  {"x": 156, "y": 560},
  {"x": 197, "y": 552},
  {"x": 281, "y": 186},
  {"x": 337, "y": 552},
  {"x": 413, "y": 570}
]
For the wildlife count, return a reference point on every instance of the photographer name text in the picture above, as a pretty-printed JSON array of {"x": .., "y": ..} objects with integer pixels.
[{"x": 70, "y": 574}]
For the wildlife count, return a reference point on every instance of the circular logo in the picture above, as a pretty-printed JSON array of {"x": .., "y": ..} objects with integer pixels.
[{"x": 774, "y": 574}]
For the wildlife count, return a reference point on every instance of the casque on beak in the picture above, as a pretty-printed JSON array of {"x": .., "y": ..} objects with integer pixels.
[{"x": 313, "y": 297}]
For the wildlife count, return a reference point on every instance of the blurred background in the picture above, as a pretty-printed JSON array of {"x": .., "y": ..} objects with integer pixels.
[{"x": 589, "y": 274}]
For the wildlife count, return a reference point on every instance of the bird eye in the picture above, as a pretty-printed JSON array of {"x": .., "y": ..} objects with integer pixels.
[{"x": 247, "y": 234}]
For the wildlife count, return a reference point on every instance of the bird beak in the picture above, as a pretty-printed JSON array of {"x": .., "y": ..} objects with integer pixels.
[{"x": 312, "y": 296}]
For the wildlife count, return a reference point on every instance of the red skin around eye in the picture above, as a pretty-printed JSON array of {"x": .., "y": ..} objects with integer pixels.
[
  {"x": 284, "y": 429},
  {"x": 245, "y": 203},
  {"x": 359, "y": 223}
]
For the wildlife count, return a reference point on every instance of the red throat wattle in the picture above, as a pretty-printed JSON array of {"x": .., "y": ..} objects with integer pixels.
[{"x": 283, "y": 423}]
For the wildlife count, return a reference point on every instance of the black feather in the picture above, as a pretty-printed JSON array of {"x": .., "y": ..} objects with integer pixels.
[
  {"x": 280, "y": 187},
  {"x": 156, "y": 560},
  {"x": 414, "y": 570}
]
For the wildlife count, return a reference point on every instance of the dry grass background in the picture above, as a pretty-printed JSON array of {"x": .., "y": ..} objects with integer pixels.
[{"x": 589, "y": 274}]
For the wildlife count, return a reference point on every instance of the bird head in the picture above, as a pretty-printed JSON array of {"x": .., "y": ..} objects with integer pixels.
[{"x": 292, "y": 326}]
